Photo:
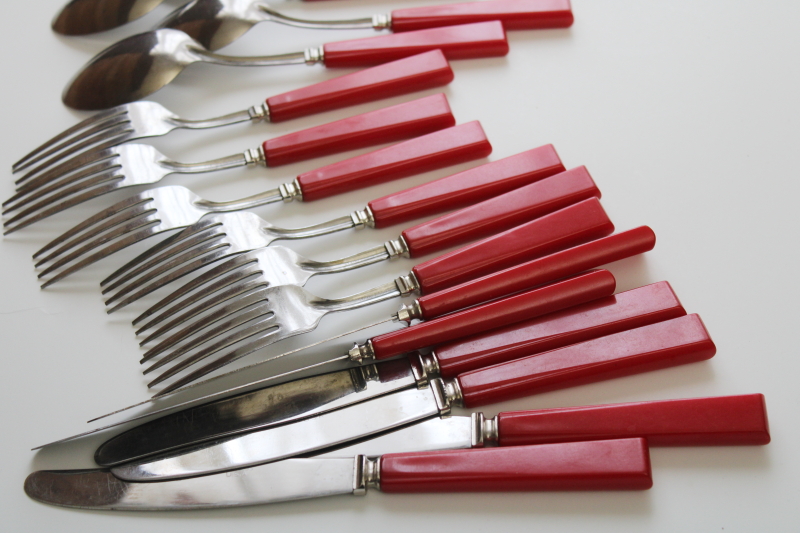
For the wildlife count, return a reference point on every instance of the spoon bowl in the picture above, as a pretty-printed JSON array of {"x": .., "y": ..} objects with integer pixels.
[
  {"x": 216, "y": 23},
  {"x": 131, "y": 69},
  {"x": 81, "y": 17}
]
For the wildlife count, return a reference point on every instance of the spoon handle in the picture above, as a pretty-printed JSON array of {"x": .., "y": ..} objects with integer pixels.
[
  {"x": 467, "y": 41},
  {"x": 514, "y": 14},
  {"x": 407, "y": 75}
]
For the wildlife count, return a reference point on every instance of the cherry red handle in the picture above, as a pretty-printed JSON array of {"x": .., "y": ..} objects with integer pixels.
[
  {"x": 403, "y": 76},
  {"x": 390, "y": 124},
  {"x": 622, "y": 464},
  {"x": 421, "y": 154},
  {"x": 665, "y": 344},
  {"x": 721, "y": 421},
  {"x": 466, "y": 188},
  {"x": 544, "y": 236},
  {"x": 467, "y": 41},
  {"x": 567, "y": 227},
  {"x": 496, "y": 314},
  {"x": 501, "y": 212},
  {"x": 514, "y": 14},
  {"x": 623, "y": 311}
]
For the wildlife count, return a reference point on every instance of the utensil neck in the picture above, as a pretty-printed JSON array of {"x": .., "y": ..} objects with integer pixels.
[
  {"x": 378, "y": 22},
  {"x": 309, "y": 56},
  {"x": 252, "y": 114},
  {"x": 223, "y": 163},
  {"x": 331, "y": 226},
  {"x": 368, "y": 257},
  {"x": 362, "y": 299}
]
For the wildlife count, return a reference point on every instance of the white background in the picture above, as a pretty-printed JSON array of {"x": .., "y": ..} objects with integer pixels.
[{"x": 686, "y": 113}]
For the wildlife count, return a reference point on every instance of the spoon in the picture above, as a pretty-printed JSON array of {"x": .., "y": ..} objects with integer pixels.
[
  {"x": 80, "y": 17},
  {"x": 217, "y": 23},
  {"x": 140, "y": 65}
]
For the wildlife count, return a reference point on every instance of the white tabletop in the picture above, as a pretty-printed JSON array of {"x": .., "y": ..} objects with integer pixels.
[{"x": 686, "y": 114}]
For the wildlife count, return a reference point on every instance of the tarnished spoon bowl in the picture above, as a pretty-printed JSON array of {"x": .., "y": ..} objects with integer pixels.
[{"x": 80, "y": 17}]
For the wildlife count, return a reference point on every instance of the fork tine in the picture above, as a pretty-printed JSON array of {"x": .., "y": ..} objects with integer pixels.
[
  {"x": 262, "y": 339},
  {"x": 208, "y": 256},
  {"x": 215, "y": 313},
  {"x": 116, "y": 131},
  {"x": 37, "y": 177},
  {"x": 24, "y": 197},
  {"x": 256, "y": 311},
  {"x": 69, "y": 235},
  {"x": 147, "y": 261},
  {"x": 212, "y": 274},
  {"x": 69, "y": 132},
  {"x": 238, "y": 336},
  {"x": 144, "y": 227},
  {"x": 103, "y": 187}
]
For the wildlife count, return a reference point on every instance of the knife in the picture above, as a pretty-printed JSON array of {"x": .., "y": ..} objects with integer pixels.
[
  {"x": 622, "y": 464},
  {"x": 661, "y": 345},
  {"x": 291, "y": 401}
]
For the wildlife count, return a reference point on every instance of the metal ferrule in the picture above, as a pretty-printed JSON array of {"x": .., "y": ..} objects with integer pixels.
[
  {"x": 362, "y": 353},
  {"x": 363, "y": 218},
  {"x": 382, "y": 22},
  {"x": 367, "y": 474},
  {"x": 255, "y": 156},
  {"x": 362, "y": 375},
  {"x": 424, "y": 368},
  {"x": 407, "y": 284},
  {"x": 314, "y": 55},
  {"x": 259, "y": 112},
  {"x": 409, "y": 312},
  {"x": 291, "y": 191},
  {"x": 447, "y": 394},
  {"x": 484, "y": 432},
  {"x": 397, "y": 247}
]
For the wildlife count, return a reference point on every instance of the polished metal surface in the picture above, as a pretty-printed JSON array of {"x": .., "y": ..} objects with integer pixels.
[
  {"x": 81, "y": 17},
  {"x": 90, "y": 175},
  {"x": 142, "y": 64},
  {"x": 146, "y": 214},
  {"x": 267, "y": 407},
  {"x": 261, "y": 317},
  {"x": 217, "y": 23},
  {"x": 121, "y": 124},
  {"x": 362, "y": 420},
  {"x": 213, "y": 239},
  {"x": 292, "y": 479}
]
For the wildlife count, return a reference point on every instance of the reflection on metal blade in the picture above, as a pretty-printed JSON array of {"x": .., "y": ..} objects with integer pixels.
[
  {"x": 262, "y": 408},
  {"x": 293, "y": 479},
  {"x": 304, "y": 436}
]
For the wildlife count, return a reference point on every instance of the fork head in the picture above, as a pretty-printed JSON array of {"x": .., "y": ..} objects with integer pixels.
[
  {"x": 82, "y": 178},
  {"x": 262, "y": 316},
  {"x": 125, "y": 223},
  {"x": 215, "y": 237},
  {"x": 102, "y": 130}
]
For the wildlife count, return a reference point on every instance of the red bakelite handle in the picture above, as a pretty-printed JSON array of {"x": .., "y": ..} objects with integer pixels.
[
  {"x": 622, "y": 464},
  {"x": 623, "y": 311},
  {"x": 467, "y": 41},
  {"x": 386, "y": 125},
  {"x": 517, "y": 308},
  {"x": 721, "y": 421},
  {"x": 514, "y": 14},
  {"x": 501, "y": 213},
  {"x": 665, "y": 344},
  {"x": 466, "y": 188},
  {"x": 567, "y": 227},
  {"x": 403, "y": 76},
  {"x": 421, "y": 154},
  {"x": 528, "y": 241}
]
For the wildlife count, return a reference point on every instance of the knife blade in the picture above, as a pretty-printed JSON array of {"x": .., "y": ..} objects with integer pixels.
[
  {"x": 661, "y": 345},
  {"x": 622, "y": 464},
  {"x": 291, "y": 401}
]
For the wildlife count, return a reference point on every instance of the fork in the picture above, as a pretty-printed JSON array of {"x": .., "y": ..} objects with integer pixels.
[
  {"x": 98, "y": 172},
  {"x": 217, "y": 237},
  {"x": 166, "y": 208},
  {"x": 276, "y": 312},
  {"x": 139, "y": 120}
]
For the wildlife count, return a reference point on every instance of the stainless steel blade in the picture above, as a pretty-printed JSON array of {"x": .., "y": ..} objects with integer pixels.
[
  {"x": 292, "y": 479},
  {"x": 258, "y": 409},
  {"x": 339, "y": 427}
]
